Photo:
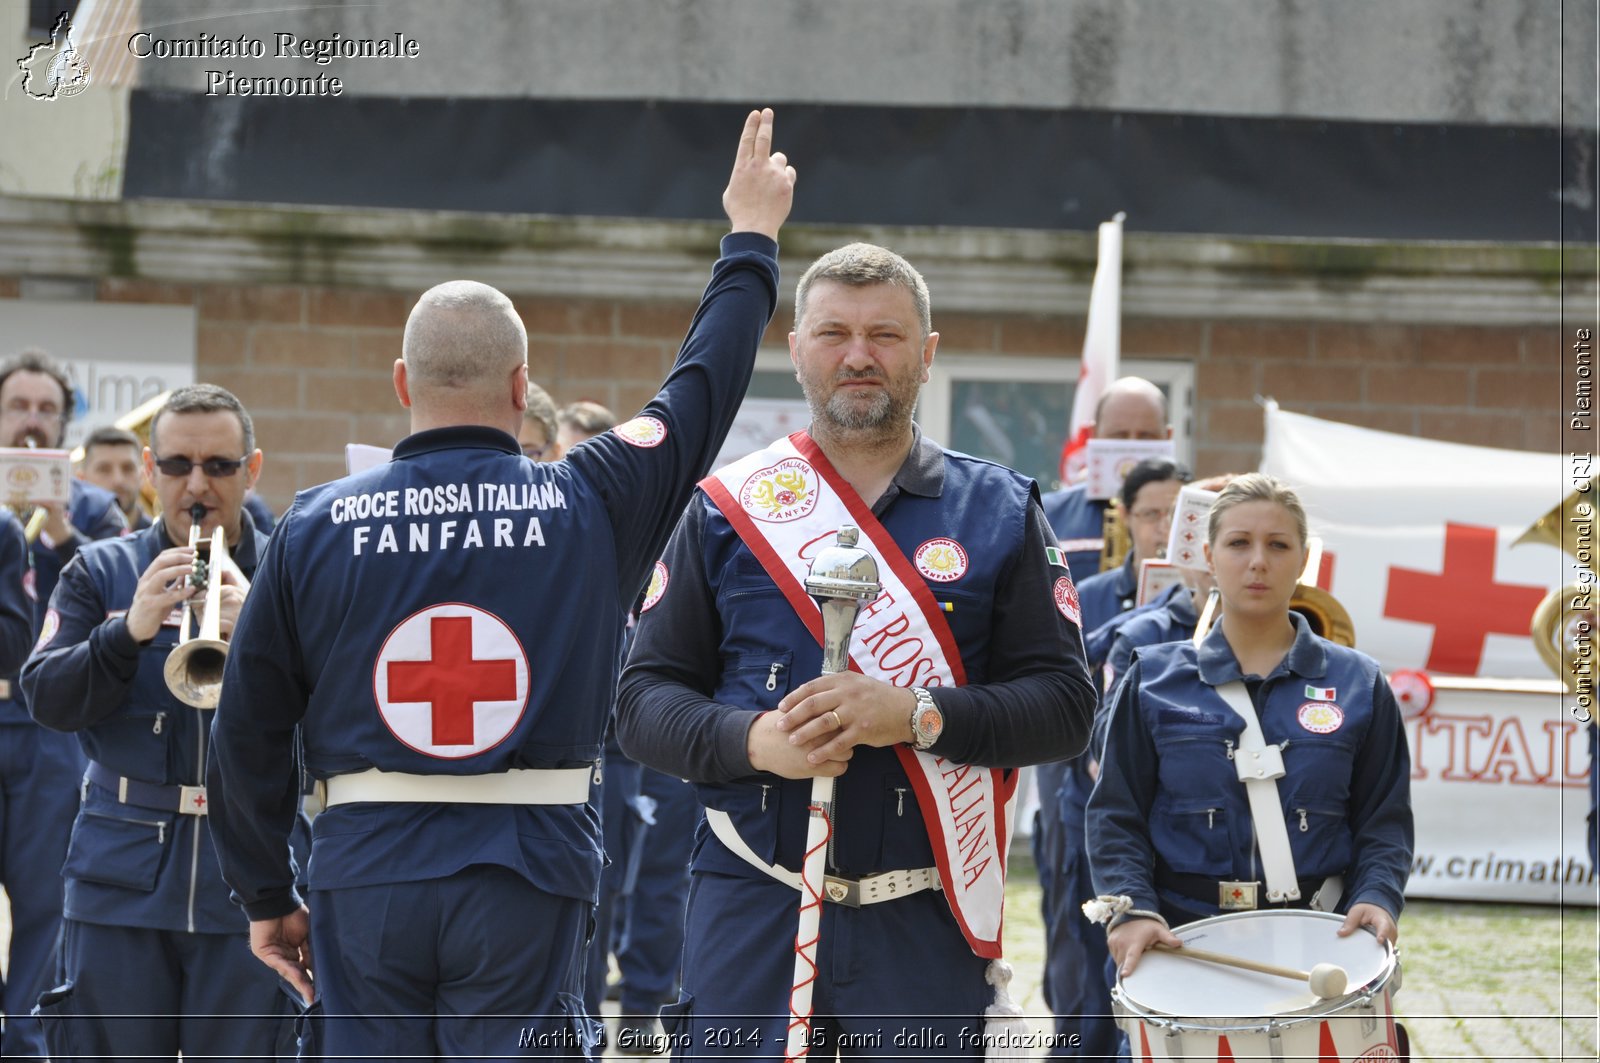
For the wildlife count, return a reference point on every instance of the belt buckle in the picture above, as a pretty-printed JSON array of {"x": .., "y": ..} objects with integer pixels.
[
  {"x": 841, "y": 890},
  {"x": 1236, "y": 896},
  {"x": 192, "y": 800}
]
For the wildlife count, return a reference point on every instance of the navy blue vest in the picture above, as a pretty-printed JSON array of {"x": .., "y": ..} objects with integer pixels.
[{"x": 767, "y": 651}]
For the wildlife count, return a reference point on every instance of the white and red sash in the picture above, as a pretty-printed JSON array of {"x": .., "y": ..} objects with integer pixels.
[{"x": 786, "y": 503}]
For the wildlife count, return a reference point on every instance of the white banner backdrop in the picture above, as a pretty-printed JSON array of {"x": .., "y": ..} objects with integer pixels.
[{"x": 1418, "y": 537}]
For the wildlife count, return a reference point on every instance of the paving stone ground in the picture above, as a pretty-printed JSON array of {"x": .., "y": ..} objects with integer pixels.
[{"x": 1481, "y": 982}]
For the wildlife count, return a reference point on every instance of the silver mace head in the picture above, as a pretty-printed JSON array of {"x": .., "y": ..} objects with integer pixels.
[{"x": 843, "y": 577}]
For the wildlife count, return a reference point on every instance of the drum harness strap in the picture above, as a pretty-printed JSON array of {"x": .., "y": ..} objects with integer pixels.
[{"x": 1260, "y": 766}]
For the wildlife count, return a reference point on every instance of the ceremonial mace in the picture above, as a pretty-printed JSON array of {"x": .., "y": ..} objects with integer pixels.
[{"x": 843, "y": 577}]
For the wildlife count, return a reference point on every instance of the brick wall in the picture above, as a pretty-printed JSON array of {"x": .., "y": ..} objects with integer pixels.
[
  {"x": 1495, "y": 387},
  {"x": 314, "y": 365}
]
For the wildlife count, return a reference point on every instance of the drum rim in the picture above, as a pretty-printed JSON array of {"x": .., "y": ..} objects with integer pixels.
[{"x": 1360, "y": 996}]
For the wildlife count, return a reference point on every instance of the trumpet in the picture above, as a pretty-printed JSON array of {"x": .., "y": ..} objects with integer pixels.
[
  {"x": 194, "y": 667},
  {"x": 33, "y": 518}
]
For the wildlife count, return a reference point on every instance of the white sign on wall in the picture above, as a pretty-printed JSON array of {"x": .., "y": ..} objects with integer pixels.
[{"x": 117, "y": 355}]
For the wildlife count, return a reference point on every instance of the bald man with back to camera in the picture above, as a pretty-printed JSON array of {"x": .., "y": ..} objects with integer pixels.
[{"x": 402, "y": 620}]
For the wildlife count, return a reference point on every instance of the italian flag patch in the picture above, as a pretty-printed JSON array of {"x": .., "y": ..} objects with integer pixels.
[
  {"x": 1055, "y": 557},
  {"x": 1322, "y": 693}
]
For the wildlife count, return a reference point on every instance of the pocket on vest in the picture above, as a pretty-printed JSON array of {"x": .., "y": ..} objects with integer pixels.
[{"x": 119, "y": 849}]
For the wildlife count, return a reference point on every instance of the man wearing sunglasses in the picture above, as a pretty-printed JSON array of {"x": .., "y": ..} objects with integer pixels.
[
  {"x": 39, "y": 771},
  {"x": 154, "y": 954}
]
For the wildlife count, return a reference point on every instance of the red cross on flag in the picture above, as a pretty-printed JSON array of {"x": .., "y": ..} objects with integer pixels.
[
  {"x": 451, "y": 681},
  {"x": 1423, "y": 531}
]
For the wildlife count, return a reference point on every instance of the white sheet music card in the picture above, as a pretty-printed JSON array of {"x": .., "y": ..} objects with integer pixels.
[
  {"x": 1110, "y": 461},
  {"x": 1155, "y": 576},
  {"x": 1186, "y": 542},
  {"x": 360, "y": 456},
  {"x": 30, "y": 476}
]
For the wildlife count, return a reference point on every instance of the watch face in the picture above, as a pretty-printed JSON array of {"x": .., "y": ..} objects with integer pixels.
[{"x": 929, "y": 723}]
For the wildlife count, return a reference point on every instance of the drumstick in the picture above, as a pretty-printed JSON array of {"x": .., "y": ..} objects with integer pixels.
[{"x": 1325, "y": 979}]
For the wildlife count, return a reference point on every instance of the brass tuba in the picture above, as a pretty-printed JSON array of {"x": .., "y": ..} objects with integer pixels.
[
  {"x": 1115, "y": 540},
  {"x": 1556, "y": 613},
  {"x": 138, "y": 421},
  {"x": 194, "y": 667},
  {"x": 1322, "y": 610}
]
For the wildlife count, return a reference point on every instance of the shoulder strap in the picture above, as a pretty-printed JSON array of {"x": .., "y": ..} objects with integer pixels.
[{"x": 1260, "y": 766}]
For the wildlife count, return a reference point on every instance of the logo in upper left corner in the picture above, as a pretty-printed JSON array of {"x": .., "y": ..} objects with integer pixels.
[{"x": 54, "y": 69}]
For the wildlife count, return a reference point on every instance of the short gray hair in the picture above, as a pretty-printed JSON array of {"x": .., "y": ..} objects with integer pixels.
[
  {"x": 206, "y": 398},
  {"x": 858, "y": 265},
  {"x": 459, "y": 334}
]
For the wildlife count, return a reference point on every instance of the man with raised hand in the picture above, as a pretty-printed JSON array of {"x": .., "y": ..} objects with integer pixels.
[{"x": 405, "y": 621}]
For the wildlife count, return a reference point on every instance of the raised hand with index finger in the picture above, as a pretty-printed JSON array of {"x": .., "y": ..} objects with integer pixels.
[{"x": 761, "y": 188}]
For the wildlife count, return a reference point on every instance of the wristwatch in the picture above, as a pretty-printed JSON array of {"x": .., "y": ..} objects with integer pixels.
[{"x": 927, "y": 722}]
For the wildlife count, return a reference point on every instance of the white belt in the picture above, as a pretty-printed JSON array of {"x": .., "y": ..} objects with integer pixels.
[
  {"x": 853, "y": 892},
  {"x": 519, "y": 786}
]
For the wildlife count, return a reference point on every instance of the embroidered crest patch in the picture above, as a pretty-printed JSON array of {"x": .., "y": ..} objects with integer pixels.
[
  {"x": 52, "y": 624},
  {"x": 644, "y": 432},
  {"x": 941, "y": 560},
  {"x": 782, "y": 492},
  {"x": 658, "y": 587},
  {"x": 1067, "y": 600},
  {"x": 1321, "y": 717},
  {"x": 451, "y": 680}
]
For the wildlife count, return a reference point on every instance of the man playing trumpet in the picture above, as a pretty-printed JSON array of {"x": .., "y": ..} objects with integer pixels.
[{"x": 154, "y": 955}]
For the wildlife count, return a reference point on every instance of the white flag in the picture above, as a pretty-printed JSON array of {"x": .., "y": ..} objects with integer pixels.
[{"x": 1102, "y": 348}]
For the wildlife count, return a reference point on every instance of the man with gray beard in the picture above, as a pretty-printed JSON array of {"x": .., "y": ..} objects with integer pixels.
[{"x": 970, "y": 665}]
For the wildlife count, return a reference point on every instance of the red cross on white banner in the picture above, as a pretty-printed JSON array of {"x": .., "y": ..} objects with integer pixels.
[
  {"x": 451, "y": 681},
  {"x": 1463, "y": 603}
]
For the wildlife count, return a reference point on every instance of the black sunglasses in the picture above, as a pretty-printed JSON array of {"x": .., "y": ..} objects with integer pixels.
[{"x": 211, "y": 466}]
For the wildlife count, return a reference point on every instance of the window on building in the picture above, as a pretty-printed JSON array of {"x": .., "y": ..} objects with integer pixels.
[
  {"x": 1011, "y": 410},
  {"x": 1016, "y": 411}
]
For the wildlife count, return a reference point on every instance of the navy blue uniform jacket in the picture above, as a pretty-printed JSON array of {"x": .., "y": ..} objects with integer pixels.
[
  {"x": 16, "y": 617},
  {"x": 93, "y": 513},
  {"x": 557, "y": 551},
  {"x": 1169, "y": 801},
  {"x": 1079, "y": 524},
  {"x": 723, "y": 645},
  {"x": 127, "y": 865}
]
